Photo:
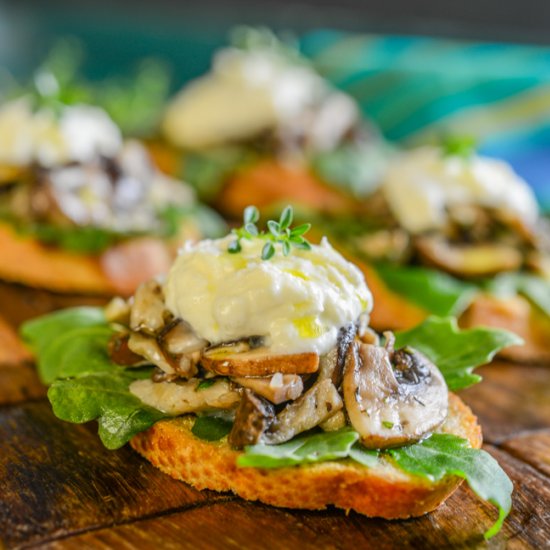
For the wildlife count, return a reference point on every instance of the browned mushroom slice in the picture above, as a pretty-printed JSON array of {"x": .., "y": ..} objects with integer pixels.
[
  {"x": 180, "y": 397},
  {"x": 335, "y": 422},
  {"x": 118, "y": 311},
  {"x": 226, "y": 361},
  {"x": 320, "y": 402},
  {"x": 254, "y": 416},
  {"x": 468, "y": 260},
  {"x": 391, "y": 405},
  {"x": 148, "y": 348},
  {"x": 179, "y": 338},
  {"x": 120, "y": 352},
  {"x": 277, "y": 388},
  {"x": 148, "y": 310}
]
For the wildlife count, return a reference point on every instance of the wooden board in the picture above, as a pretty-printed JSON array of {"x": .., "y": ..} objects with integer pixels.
[{"x": 61, "y": 489}]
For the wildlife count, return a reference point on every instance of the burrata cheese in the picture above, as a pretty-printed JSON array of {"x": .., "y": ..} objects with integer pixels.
[
  {"x": 297, "y": 302},
  {"x": 422, "y": 183}
]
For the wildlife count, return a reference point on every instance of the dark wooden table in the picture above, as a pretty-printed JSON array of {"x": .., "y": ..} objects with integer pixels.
[{"x": 61, "y": 489}]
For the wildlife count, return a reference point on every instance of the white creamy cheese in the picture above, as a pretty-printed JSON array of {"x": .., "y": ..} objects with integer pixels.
[
  {"x": 298, "y": 302},
  {"x": 422, "y": 183},
  {"x": 245, "y": 93},
  {"x": 80, "y": 133}
]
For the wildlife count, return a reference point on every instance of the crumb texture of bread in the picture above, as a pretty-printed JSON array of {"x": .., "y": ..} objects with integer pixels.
[{"x": 384, "y": 491}]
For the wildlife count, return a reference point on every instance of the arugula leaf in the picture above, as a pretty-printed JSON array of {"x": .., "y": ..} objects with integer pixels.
[
  {"x": 301, "y": 450},
  {"x": 207, "y": 172},
  {"x": 535, "y": 289},
  {"x": 366, "y": 457},
  {"x": 41, "y": 332},
  {"x": 456, "y": 352},
  {"x": 354, "y": 168},
  {"x": 77, "y": 352},
  {"x": 105, "y": 397},
  {"x": 444, "y": 454},
  {"x": 432, "y": 290},
  {"x": 211, "y": 428}
]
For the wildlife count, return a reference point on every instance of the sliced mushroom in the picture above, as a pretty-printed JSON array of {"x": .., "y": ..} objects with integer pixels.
[
  {"x": 148, "y": 348},
  {"x": 277, "y": 388},
  {"x": 118, "y": 311},
  {"x": 468, "y": 260},
  {"x": 179, "y": 339},
  {"x": 180, "y": 397},
  {"x": 335, "y": 422},
  {"x": 231, "y": 361},
  {"x": 148, "y": 310},
  {"x": 392, "y": 404},
  {"x": 320, "y": 402},
  {"x": 254, "y": 416},
  {"x": 385, "y": 245},
  {"x": 120, "y": 352}
]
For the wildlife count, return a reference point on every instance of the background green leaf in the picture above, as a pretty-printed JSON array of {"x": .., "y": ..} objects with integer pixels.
[
  {"x": 456, "y": 352},
  {"x": 436, "y": 292},
  {"x": 211, "y": 428}
]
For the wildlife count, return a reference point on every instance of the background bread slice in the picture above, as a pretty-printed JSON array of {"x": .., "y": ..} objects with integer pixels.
[
  {"x": 384, "y": 491},
  {"x": 118, "y": 271},
  {"x": 394, "y": 312}
]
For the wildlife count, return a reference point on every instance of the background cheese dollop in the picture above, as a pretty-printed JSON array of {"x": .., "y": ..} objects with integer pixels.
[
  {"x": 422, "y": 183},
  {"x": 298, "y": 302}
]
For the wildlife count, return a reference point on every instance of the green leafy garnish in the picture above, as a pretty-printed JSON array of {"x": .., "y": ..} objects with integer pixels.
[
  {"x": 301, "y": 450},
  {"x": 43, "y": 331},
  {"x": 444, "y": 454},
  {"x": 105, "y": 397},
  {"x": 71, "y": 348},
  {"x": 211, "y": 428},
  {"x": 459, "y": 146},
  {"x": 278, "y": 233},
  {"x": 432, "y": 290},
  {"x": 456, "y": 352},
  {"x": 535, "y": 289},
  {"x": 206, "y": 383},
  {"x": 354, "y": 168}
]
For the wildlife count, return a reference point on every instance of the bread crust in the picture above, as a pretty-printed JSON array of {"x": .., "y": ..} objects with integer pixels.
[
  {"x": 384, "y": 491},
  {"x": 27, "y": 261}
]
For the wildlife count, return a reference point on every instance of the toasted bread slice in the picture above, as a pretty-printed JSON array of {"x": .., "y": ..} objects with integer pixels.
[
  {"x": 394, "y": 312},
  {"x": 384, "y": 491},
  {"x": 517, "y": 315},
  {"x": 119, "y": 270},
  {"x": 270, "y": 182}
]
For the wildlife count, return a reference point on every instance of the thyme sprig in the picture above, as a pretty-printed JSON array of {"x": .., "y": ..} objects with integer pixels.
[{"x": 279, "y": 232}]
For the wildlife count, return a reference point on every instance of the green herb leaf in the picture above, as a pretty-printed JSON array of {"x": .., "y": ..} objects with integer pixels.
[
  {"x": 366, "y": 457},
  {"x": 211, "y": 428},
  {"x": 41, "y": 332},
  {"x": 286, "y": 218},
  {"x": 274, "y": 228},
  {"x": 456, "y": 352},
  {"x": 268, "y": 251},
  {"x": 432, "y": 290},
  {"x": 234, "y": 247},
  {"x": 459, "y": 146},
  {"x": 300, "y": 230},
  {"x": 251, "y": 215},
  {"x": 286, "y": 248},
  {"x": 535, "y": 289},
  {"x": 251, "y": 229},
  {"x": 443, "y": 454},
  {"x": 105, "y": 397},
  {"x": 301, "y": 450},
  {"x": 354, "y": 168},
  {"x": 205, "y": 384}
]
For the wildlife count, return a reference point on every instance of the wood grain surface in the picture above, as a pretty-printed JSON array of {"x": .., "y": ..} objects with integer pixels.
[{"x": 62, "y": 489}]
